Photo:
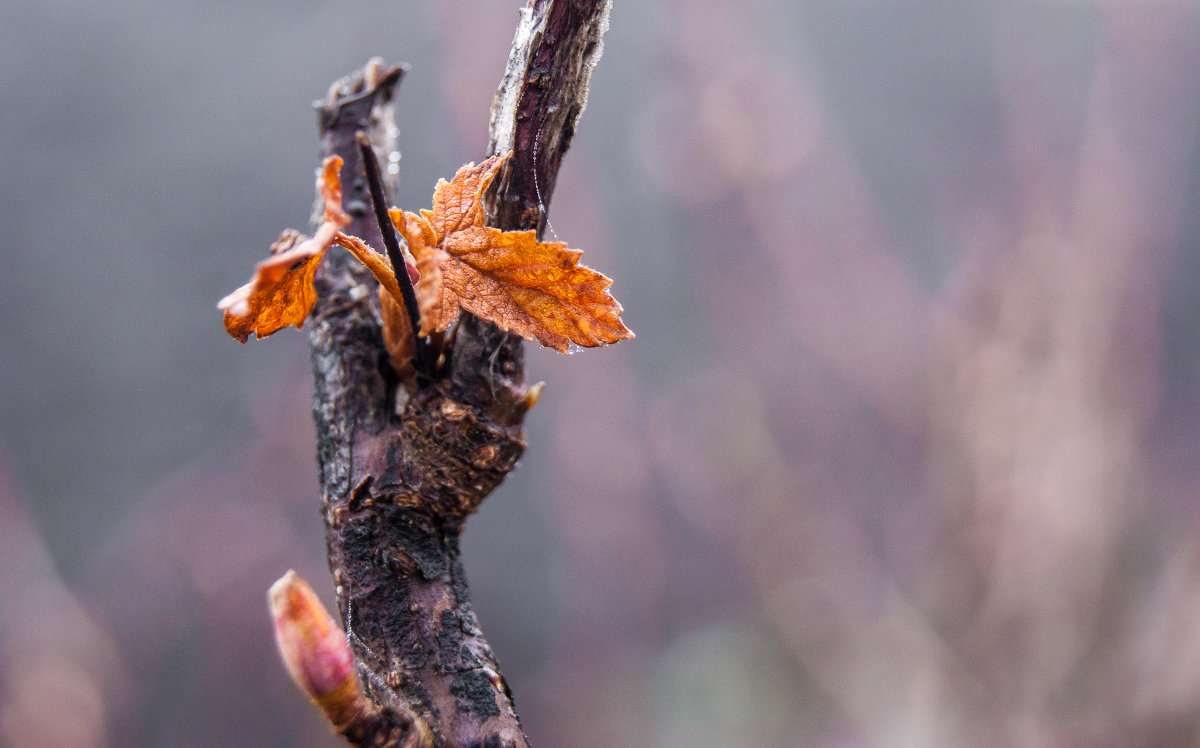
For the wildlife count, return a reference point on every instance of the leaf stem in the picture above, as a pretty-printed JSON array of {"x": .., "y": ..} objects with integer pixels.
[{"x": 423, "y": 361}]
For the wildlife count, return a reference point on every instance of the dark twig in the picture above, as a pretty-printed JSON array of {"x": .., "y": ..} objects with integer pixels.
[
  {"x": 400, "y": 477},
  {"x": 423, "y": 355},
  {"x": 397, "y": 486}
]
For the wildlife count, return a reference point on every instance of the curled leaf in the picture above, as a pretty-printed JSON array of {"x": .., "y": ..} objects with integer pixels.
[
  {"x": 281, "y": 291},
  {"x": 397, "y": 334},
  {"x": 531, "y": 288},
  {"x": 329, "y": 186}
]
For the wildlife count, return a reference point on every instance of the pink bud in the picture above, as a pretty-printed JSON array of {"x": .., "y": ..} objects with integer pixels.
[{"x": 313, "y": 646}]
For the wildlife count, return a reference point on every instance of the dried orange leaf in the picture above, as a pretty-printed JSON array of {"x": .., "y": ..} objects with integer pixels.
[
  {"x": 428, "y": 238},
  {"x": 438, "y": 309},
  {"x": 397, "y": 334},
  {"x": 534, "y": 289},
  {"x": 281, "y": 292},
  {"x": 329, "y": 185},
  {"x": 379, "y": 265}
]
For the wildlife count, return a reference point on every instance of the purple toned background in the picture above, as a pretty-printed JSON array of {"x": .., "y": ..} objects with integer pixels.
[{"x": 906, "y": 451}]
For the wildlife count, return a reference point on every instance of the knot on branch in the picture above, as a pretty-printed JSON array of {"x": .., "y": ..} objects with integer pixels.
[
  {"x": 444, "y": 458},
  {"x": 456, "y": 454}
]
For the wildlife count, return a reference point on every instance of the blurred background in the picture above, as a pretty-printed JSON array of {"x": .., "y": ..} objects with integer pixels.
[{"x": 906, "y": 451}]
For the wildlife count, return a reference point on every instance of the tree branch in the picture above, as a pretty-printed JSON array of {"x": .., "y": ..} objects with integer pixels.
[{"x": 401, "y": 471}]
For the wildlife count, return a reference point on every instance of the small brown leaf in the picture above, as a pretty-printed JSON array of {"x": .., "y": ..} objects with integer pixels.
[
  {"x": 534, "y": 289},
  {"x": 397, "y": 334},
  {"x": 379, "y": 265},
  {"x": 329, "y": 185},
  {"x": 281, "y": 292}
]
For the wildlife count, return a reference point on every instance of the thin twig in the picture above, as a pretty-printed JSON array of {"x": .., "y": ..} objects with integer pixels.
[{"x": 423, "y": 355}]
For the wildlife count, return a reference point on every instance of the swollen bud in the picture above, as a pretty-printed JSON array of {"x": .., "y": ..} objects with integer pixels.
[
  {"x": 315, "y": 651},
  {"x": 531, "y": 396}
]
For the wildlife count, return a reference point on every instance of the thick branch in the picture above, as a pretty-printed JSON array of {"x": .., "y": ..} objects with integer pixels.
[
  {"x": 396, "y": 489},
  {"x": 541, "y": 97},
  {"x": 401, "y": 471}
]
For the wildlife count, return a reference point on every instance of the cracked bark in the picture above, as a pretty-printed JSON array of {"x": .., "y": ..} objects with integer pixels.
[{"x": 401, "y": 471}]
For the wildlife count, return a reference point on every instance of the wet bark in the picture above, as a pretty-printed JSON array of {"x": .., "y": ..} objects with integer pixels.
[{"x": 401, "y": 469}]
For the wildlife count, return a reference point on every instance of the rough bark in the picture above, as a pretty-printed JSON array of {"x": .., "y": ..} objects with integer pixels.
[{"x": 400, "y": 471}]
